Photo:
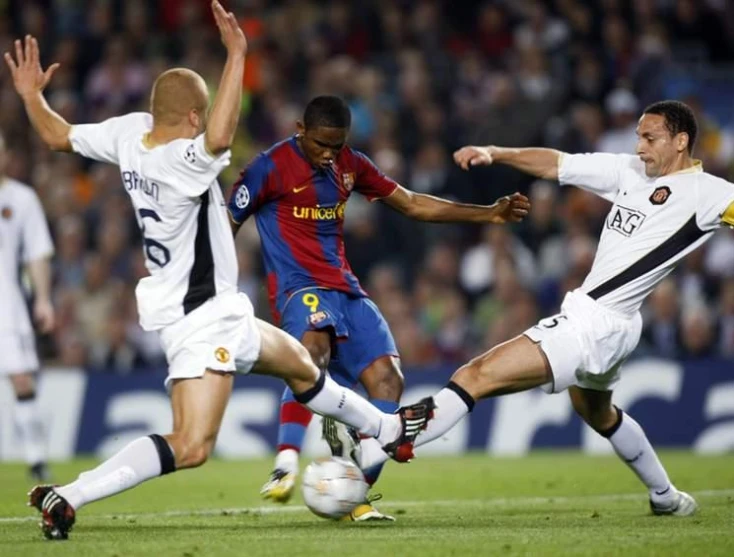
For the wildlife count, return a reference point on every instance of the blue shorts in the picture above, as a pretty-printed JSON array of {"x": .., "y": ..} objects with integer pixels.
[{"x": 360, "y": 331}]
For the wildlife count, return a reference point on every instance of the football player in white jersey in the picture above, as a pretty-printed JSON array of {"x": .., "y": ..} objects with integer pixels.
[
  {"x": 664, "y": 207},
  {"x": 169, "y": 161},
  {"x": 25, "y": 241}
]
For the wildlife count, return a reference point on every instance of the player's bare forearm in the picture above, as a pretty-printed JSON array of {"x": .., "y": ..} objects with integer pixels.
[
  {"x": 234, "y": 224},
  {"x": 39, "y": 271},
  {"x": 226, "y": 110},
  {"x": 52, "y": 128},
  {"x": 536, "y": 161},
  {"x": 429, "y": 208},
  {"x": 225, "y": 113}
]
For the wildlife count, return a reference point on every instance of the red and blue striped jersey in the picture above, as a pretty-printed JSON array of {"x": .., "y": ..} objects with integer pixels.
[{"x": 299, "y": 213}]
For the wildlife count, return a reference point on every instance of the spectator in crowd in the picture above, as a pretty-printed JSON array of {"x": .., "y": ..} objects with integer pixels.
[{"x": 421, "y": 78}]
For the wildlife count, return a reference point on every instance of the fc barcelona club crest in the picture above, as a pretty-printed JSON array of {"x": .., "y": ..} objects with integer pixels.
[
  {"x": 660, "y": 195},
  {"x": 348, "y": 180}
]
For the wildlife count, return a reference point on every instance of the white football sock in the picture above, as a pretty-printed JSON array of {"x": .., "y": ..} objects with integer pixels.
[
  {"x": 631, "y": 445},
  {"x": 29, "y": 424},
  {"x": 137, "y": 462},
  {"x": 287, "y": 460},
  {"x": 348, "y": 407},
  {"x": 450, "y": 408},
  {"x": 372, "y": 453}
]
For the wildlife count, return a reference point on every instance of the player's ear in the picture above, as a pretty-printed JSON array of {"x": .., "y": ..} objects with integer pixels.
[
  {"x": 682, "y": 141},
  {"x": 195, "y": 118},
  {"x": 300, "y": 128}
]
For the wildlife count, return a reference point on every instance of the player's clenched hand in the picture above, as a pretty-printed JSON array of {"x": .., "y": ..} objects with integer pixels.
[
  {"x": 511, "y": 208},
  {"x": 229, "y": 29},
  {"x": 28, "y": 76},
  {"x": 43, "y": 315},
  {"x": 472, "y": 155}
]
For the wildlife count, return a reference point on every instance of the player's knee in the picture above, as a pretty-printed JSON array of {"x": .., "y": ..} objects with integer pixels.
[
  {"x": 598, "y": 412},
  {"x": 318, "y": 355},
  {"x": 302, "y": 372},
  {"x": 307, "y": 368},
  {"x": 602, "y": 419},
  {"x": 192, "y": 452},
  {"x": 598, "y": 418},
  {"x": 579, "y": 405},
  {"x": 384, "y": 382}
]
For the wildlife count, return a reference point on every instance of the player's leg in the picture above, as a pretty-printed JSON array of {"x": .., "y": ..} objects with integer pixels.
[
  {"x": 368, "y": 355},
  {"x": 516, "y": 365},
  {"x": 294, "y": 420},
  {"x": 294, "y": 417},
  {"x": 198, "y": 407},
  {"x": 19, "y": 361},
  {"x": 29, "y": 424},
  {"x": 632, "y": 446},
  {"x": 383, "y": 381},
  {"x": 284, "y": 357}
]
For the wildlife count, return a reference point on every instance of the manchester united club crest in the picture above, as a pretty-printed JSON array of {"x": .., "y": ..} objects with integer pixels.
[
  {"x": 6, "y": 213},
  {"x": 222, "y": 355},
  {"x": 348, "y": 180},
  {"x": 660, "y": 195}
]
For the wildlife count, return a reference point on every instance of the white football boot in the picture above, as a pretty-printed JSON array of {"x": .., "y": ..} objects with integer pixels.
[{"x": 681, "y": 505}]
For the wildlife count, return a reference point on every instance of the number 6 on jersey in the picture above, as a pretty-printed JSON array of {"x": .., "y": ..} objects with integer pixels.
[{"x": 154, "y": 250}]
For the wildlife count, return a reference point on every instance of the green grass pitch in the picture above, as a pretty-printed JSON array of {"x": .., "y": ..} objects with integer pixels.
[{"x": 560, "y": 503}]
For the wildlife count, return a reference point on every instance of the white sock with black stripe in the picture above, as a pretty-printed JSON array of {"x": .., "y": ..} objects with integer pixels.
[
  {"x": 139, "y": 461},
  {"x": 328, "y": 398}
]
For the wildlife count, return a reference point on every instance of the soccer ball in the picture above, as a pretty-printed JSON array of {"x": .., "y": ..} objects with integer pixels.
[{"x": 333, "y": 487}]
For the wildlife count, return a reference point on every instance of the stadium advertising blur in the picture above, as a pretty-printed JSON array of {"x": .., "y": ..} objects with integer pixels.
[{"x": 679, "y": 405}]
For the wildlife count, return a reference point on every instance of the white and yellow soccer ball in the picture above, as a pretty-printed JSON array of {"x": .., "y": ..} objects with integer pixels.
[{"x": 333, "y": 487}]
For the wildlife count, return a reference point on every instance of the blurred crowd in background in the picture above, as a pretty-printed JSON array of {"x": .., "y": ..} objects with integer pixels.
[{"x": 422, "y": 77}]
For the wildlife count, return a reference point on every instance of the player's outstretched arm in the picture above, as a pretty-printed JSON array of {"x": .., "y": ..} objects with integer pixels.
[
  {"x": 225, "y": 113},
  {"x": 30, "y": 80},
  {"x": 419, "y": 206},
  {"x": 539, "y": 162}
]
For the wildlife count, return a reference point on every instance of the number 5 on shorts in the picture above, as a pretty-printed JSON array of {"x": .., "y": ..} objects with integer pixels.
[{"x": 312, "y": 301}]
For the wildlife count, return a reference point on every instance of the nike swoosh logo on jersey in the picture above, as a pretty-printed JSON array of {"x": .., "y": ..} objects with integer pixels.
[{"x": 297, "y": 190}]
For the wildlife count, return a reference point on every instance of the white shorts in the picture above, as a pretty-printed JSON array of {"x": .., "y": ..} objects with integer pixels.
[
  {"x": 586, "y": 344},
  {"x": 220, "y": 335},
  {"x": 17, "y": 353}
]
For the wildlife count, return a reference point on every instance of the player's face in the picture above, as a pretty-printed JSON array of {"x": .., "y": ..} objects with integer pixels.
[
  {"x": 321, "y": 145},
  {"x": 656, "y": 147}
]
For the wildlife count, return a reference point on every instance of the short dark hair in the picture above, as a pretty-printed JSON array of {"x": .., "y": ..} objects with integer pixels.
[
  {"x": 327, "y": 111},
  {"x": 678, "y": 118}
]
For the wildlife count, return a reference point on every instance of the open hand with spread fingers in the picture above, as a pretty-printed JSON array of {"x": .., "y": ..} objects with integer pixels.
[{"x": 28, "y": 76}]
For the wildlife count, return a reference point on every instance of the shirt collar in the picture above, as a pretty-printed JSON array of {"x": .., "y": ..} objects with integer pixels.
[{"x": 696, "y": 168}]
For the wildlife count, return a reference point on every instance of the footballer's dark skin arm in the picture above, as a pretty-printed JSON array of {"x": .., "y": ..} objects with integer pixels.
[
  {"x": 428, "y": 208},
  {"x": 235, "y": 225}
]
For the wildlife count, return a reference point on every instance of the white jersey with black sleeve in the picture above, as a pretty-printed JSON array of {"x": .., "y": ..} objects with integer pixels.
[
  {"x": 653, "y": 223},
  {"x": 189, "y": 249}
]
